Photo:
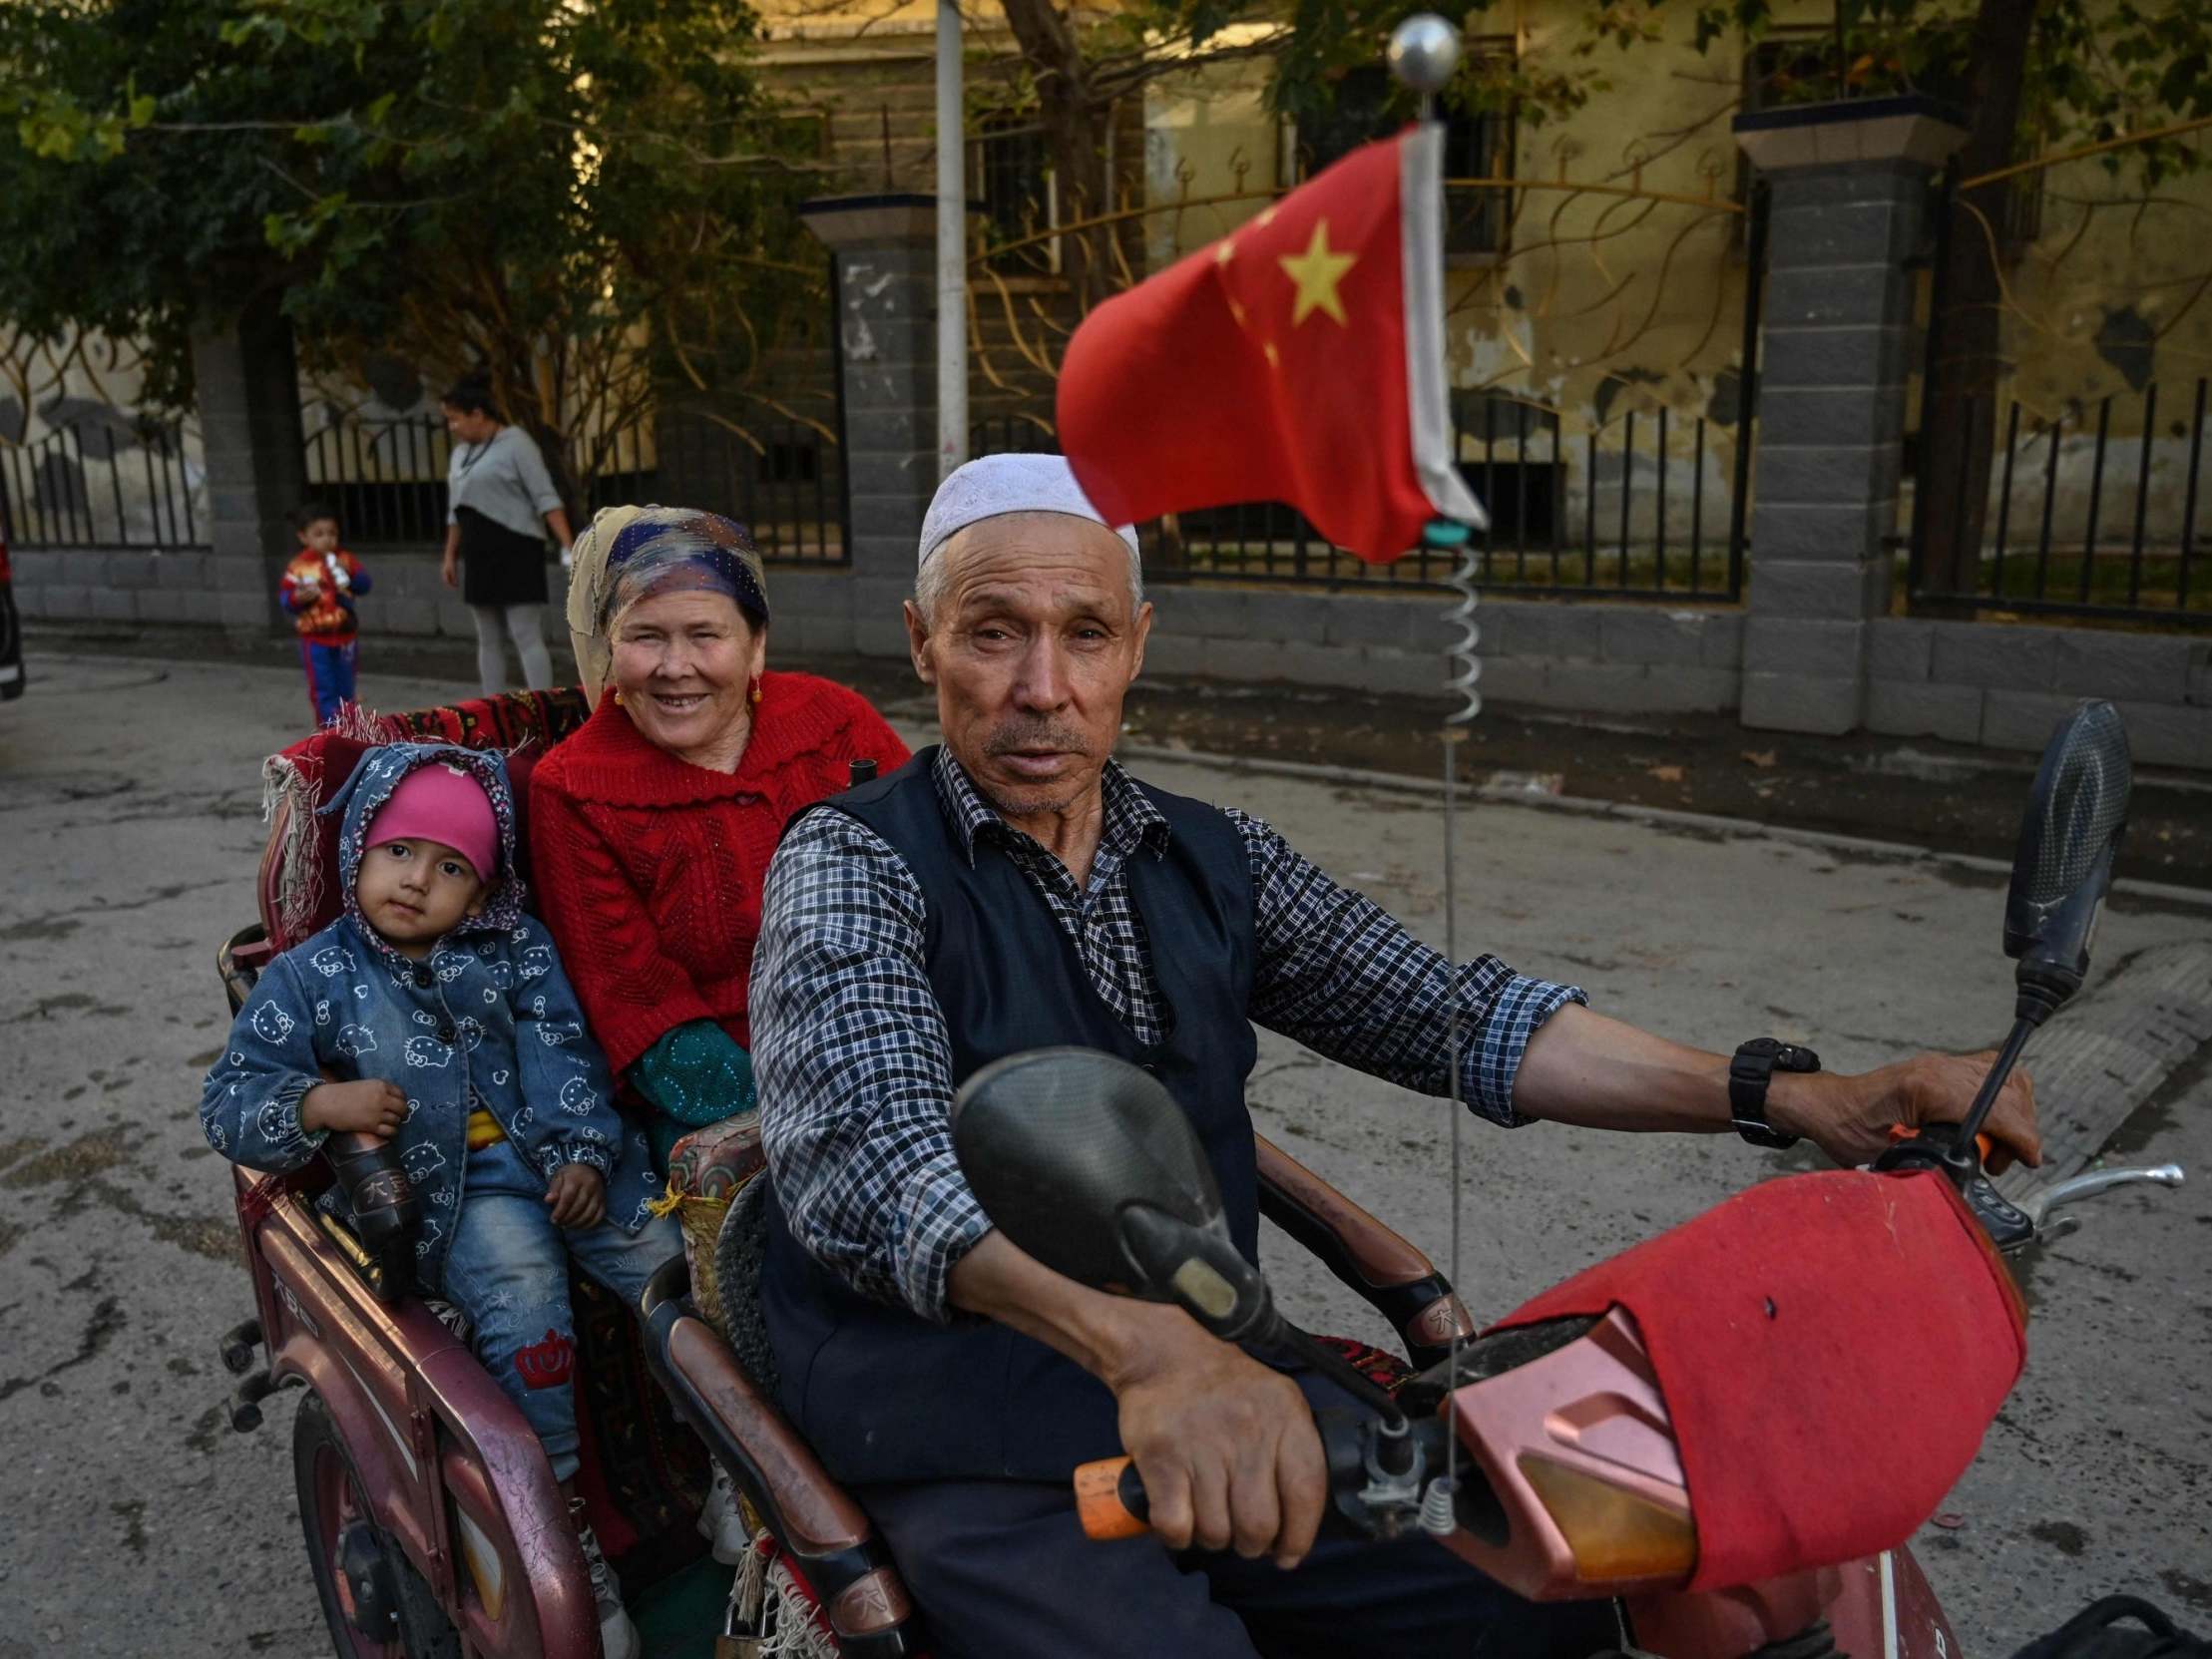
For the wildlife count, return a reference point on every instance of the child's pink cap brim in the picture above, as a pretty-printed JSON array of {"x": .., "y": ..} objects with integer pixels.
[{"x": 441, "y": 802}]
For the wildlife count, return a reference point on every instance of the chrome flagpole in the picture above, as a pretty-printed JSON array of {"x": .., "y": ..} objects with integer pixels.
[
  {"x": 1423, "y": 53},
  {"x": 952, "y": 242}
]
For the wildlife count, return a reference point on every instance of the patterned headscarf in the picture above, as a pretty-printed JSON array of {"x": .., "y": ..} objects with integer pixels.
[{"x": 632, "y": 553}]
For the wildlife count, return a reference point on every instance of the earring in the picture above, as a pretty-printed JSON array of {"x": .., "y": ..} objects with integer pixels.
[
  {"x": 618, "y": 696},
  {"x": 756, "y": 689}
]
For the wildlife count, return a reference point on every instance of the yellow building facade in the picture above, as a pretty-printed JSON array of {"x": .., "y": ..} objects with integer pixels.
[{"x": 1600, "y": 264}]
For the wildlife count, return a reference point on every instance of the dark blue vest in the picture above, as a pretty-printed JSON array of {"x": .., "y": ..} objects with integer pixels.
[{"x": 884, "y": 1394}]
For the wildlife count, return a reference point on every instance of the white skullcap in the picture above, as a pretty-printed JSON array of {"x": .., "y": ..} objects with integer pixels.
[{"x": 994, "y": 484}]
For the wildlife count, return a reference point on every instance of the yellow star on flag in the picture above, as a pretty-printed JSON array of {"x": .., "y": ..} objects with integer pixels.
[{"x": 1317, "y": 271}]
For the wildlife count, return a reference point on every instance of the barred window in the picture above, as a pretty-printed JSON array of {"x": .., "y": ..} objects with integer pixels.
[
  {"x": 1476, "y": 144},
  {"x": 1009, "y": 170}
]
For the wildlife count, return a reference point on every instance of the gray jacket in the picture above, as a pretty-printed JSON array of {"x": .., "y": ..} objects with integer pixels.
[{"x": 505, "y": 479}]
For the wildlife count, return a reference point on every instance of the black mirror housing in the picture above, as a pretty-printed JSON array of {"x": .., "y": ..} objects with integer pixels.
[
  {"x": 1057, "y": 1142},
  {"x": 2062, "y": 867}
]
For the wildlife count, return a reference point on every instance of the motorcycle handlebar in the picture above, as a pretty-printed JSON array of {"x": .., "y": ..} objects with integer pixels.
[
  {"x": 1982, "y": 1144},
  {"x": 1373, "y": 1474},
  {"x": 1111, "y": 1500}
]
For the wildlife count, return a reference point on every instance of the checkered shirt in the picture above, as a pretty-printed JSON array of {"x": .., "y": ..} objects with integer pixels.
[{"x": 855, "y": 1066}]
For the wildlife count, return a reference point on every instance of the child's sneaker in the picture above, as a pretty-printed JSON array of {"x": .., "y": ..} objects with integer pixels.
[
  {"x": 722, "y": 1521},
  {"x": 617, "y": 1637}
]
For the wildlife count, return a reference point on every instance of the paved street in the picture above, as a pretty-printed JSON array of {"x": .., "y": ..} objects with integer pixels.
[{"x": 135, "y": 1522}]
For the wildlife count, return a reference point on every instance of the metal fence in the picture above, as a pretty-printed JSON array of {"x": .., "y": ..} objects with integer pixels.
[
  {"x": 783, "y": 479},
  {"x": 90, "y": 485},
  {"x": 385, "y": 478},
  {"x": 1648, "y": 506},
  {"x": 2092, "y": 515},
  {"x": 387, "y": 481}
]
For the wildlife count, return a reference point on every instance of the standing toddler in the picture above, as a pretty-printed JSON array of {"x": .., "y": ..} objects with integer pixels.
[{"x": 317, "y": 592}]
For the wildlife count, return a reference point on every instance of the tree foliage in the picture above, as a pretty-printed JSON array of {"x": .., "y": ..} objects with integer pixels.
[{"x": 570, "y": 196}]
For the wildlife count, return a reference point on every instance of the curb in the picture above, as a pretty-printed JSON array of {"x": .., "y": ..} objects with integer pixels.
[{"x": 1656, "y": 817}]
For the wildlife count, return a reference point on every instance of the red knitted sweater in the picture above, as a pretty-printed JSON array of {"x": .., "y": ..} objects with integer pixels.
[{"x": 650, "y": 870}]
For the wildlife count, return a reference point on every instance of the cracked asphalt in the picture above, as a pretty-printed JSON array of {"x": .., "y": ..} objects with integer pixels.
[{"x": 132, "y": 1521}]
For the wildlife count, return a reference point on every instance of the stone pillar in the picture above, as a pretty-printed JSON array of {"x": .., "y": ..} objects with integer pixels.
[
  {"x": 1847, "y": 186},
  {"x": 247, "y": 382},
  {"x": 885, "y": 276}
]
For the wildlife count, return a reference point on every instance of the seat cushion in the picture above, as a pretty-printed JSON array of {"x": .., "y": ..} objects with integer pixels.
[{"x": 297, "y": 892}]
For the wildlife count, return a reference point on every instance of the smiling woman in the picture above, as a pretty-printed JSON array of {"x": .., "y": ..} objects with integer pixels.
[
  {"x": 651, "y": 827},
  {"x": 686, "y": 667}
]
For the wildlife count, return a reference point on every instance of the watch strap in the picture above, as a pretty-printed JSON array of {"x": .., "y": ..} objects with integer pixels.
[{"x": 1749, "y": 1073}]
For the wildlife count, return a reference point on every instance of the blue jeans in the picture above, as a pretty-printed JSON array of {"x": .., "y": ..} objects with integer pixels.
[{"x": 507, "y": 1271}]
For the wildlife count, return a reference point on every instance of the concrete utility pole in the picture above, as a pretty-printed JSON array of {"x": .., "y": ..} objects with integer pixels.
[{"x": 952, "y": 251}]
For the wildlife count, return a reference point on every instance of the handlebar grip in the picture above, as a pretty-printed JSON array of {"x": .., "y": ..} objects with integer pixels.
[
  {"x": 1110, "y": 1502},
  {"x": 387, "y": 1216},
  {"x": 1982, "y": 1144}
]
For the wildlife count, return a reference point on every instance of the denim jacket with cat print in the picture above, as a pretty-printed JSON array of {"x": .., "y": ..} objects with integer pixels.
[{"x": 487, "y": 1020}]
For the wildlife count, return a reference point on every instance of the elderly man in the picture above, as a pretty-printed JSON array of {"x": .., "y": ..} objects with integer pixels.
[{"x": 1012, "y": 889}]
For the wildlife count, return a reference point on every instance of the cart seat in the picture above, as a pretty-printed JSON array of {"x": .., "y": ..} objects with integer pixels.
[{"x": 817, "y": 1527}]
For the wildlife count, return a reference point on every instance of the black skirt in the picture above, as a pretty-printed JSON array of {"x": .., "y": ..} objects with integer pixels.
[{"x": 498, "y": 566}]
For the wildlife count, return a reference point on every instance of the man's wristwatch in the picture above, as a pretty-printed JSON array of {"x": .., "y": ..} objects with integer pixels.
[{"x": 1748, "y": 1074}]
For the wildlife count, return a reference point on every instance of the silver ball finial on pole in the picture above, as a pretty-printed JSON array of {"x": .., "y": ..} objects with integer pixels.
[{"x": 1424, "y": 51}]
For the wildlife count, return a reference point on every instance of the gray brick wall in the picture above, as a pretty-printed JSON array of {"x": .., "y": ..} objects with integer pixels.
[
  {"x": 2005, "y": 687},
  {"x": 813, "y": 606},
  {"x": 1603, "y": 658}
]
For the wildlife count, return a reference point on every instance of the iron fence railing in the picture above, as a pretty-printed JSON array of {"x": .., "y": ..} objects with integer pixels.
[
  {"x": 1643, "y": 506},
  {"x": 782, "y": 479},
  {"x": 2095, "y": 514},
  {"x": 92, "y": 485},
  {"x": 385, "y": 478},
  {"x": 388, "y": 480}
]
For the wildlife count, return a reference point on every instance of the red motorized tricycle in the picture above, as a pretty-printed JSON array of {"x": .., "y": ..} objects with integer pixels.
[{"x": 1593, "y": 1445}]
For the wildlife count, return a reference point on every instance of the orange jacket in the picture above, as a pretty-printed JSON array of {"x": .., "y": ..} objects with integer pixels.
[{"x": 327, "y": 617}]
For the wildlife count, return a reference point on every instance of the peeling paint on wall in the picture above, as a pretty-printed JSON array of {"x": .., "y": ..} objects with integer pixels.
[{"x": 2127, "y": 341}]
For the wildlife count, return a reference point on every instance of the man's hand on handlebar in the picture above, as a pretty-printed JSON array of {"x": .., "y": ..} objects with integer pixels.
[
  {"x": 1849, "y": 1117},
  {"x": 1227, "y": 1447},
  {"x": 1581, "y": 1068},
  {"x": 368, "y": 1106}
]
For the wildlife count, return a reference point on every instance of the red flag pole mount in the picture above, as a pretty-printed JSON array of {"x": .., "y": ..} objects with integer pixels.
[{"x": 1423, "y": 54}]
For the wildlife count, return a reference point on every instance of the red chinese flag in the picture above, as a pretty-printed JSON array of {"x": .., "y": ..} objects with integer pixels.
[{"x": 1298, "y": 359}]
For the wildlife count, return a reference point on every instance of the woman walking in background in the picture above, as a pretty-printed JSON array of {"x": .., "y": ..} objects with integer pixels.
[{"x": 499, "y": 496}]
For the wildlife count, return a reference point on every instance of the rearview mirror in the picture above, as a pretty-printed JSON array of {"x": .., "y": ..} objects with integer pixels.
[
  {"x": 2070, "y": 834},
  {"x": 1087, "y": 1162}
]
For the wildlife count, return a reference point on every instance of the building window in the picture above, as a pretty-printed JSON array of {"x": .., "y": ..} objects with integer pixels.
[
  {"x": 1476, "y": 144},
  {"x": 1009, "y": 170}
]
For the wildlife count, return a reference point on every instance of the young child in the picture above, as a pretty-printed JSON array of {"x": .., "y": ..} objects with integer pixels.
[
  {"x": 446, "y": 1015},
  {"x": 318, "y": 589}
]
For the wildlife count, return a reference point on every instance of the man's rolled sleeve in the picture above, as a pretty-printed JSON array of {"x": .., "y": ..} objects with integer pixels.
[
  {"x": 856, "y": 1068},
  {"x": 1491, "y": 1065},
  {"x": 935, "y": 1223},
  {"x": 1338, "y": 973}
]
